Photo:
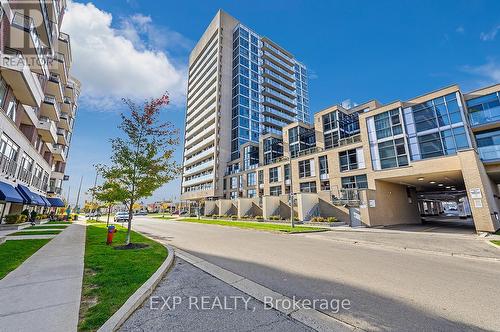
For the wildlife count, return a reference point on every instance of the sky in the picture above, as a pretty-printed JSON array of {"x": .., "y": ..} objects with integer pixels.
[{"x": 357, "y": 50}]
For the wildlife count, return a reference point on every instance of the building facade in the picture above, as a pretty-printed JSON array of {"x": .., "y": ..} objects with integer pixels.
[
  {"x": 377, "y": 164},
  {"x": 38, "y": 102},
  {"x": 241, "y": 86}
]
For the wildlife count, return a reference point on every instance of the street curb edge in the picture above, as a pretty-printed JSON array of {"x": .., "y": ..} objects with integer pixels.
[{"x": 139, "y": 296}]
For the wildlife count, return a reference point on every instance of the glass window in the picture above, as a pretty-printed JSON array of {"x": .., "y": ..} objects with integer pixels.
[
  {"x": 329, "y": 121},
  {"x": 323, "y": 165},
  {"x": 430, "y": 145},
  {"x": 275, "y": 190},
  {"x": 388, "y": 124},
  {"x": 331, "y": 139},
  {"x": 234, "y": 182},
  {"x": 348, "y": 160},
  {"x": 393, "y": 153},
  {"x": 355, "y": 182},
  {"x": 273, "y": 174},
  {"x": 251, "y": 193},
  {"x": 304, "y": 168},
  {"x": 3, "y": 91},
  {"x": 308, "y": 187},
  {"x": 251, "y": 179},
  {"x": 12, "y": 109}
]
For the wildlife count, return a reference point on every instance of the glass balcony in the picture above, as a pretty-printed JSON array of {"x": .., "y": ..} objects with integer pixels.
[
  {"x": 485, "y": 116},
  {"x": 489, "y": 153}
]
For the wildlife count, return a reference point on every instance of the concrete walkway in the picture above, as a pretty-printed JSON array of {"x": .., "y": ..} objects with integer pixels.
[
  {"x": 43, "y": 294},
  {"x": 238, "y": 311}
]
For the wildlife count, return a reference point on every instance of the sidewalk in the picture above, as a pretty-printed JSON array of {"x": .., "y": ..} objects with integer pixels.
[
  {"x": 43, "y": 294},
  {"x": 237, "y": 311},
  {"x": 468, "y": 246}
]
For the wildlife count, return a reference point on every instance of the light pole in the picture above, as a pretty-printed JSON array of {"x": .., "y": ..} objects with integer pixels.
[
  {"x": 292, "y": 220},
  {"x": 289, "y": 158}
]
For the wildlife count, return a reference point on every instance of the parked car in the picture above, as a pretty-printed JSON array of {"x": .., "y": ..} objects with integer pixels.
[
  {"x": 142, "y": 213},
  {"x": 121, "y": 216},
  {"x": 183, "y": 213}
]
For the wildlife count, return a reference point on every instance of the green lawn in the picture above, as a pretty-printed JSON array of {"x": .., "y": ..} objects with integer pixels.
[
  {"x": 13, "y": 253},
  {"x": 48, "y": 227},
  {"x": 256, "y": 225},
  {"x": 159, "y": 216},
  {"x": 44, "y": 232},
  {"x": 496, "y": 242},
  {"x": 58, "y": 222},
  {"x": 112, "y": 276}
]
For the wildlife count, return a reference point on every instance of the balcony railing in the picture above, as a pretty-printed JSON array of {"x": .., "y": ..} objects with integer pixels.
[
  {"x": 307, "y": 152},
  {"x": 8, "y": 166},
  {"x": 489, "y": 153},
  {"x": 36, "y": 182},
  {"x": 350, "y": 140},
  {"x": 486, "y": 116},
  {"x": 25, "y": 175},
  {"x": 278, "y": 86},
  {"x": 49, "y": 99},
  {"x": 350, "y": 197}
]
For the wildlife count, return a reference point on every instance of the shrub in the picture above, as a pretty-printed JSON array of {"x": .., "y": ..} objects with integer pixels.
[
  {"x": 193, "y": 215},
  {"x": 318, "y": 219},
  {"x": 15, "y": 218},
  {"x": 259, "y": 217},
  {"x": 332, "y": 219},
  {"x": 234, "y": 217},
  {"x": 209, "y": 215},
  {"x": 274, "y": 218},
  {"x": 26, "y": 213}
]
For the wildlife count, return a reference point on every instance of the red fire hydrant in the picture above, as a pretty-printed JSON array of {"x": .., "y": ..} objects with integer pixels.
[{"x": 111, "y": 233}]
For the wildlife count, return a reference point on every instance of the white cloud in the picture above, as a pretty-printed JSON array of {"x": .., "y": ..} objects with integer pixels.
[
  {"x": 114, "y": 63},
  {"x": 488, "y": 73},
  {"x": 490, "y": 35},
  {"x": 460, "y": 29}
]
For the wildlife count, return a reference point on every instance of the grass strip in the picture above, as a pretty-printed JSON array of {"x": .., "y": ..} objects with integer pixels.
[
  {"x": 111, "y": 276},
  {"x": 14, "y": 253},
  {"x": 43, "y": 232},
  {"x": 48, "y": 227},
  {"x": 257, "y": 225}
]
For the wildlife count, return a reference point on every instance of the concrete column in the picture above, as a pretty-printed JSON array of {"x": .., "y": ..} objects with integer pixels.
[
  {"x": 307, "y": 205},
  {"x": 481, "y": 192},
  {"x": 210, "y": 208},
  {"x": 248, "y": 206},
  {"x": 270, "y": 206}
]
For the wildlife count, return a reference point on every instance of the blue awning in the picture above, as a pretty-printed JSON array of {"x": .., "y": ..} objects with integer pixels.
[
  {"x": 56, "y": 202},
  {"x": 30, "y": 197},
  {"x": 9, "y": 194},
  {"x": 46, "y": 201}
]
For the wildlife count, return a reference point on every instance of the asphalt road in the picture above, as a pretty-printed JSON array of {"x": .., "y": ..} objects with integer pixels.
[{"x": 388, "y": 290}]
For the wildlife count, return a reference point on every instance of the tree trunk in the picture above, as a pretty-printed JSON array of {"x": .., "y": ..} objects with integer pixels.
[
  {"x": 109, "y": 212},
  {"x": 129, "y": 226}
]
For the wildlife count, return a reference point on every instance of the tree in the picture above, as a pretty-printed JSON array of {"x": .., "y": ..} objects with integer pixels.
[
  {"x": 142, "y": 159},
  {"x": 109, "y": 193}
]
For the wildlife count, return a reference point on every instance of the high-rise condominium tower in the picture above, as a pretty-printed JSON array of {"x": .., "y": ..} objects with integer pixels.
[{"x": 241, "y": 85}]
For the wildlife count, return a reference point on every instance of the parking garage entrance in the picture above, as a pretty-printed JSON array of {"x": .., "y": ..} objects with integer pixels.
[{"x": 441, "y": 200}]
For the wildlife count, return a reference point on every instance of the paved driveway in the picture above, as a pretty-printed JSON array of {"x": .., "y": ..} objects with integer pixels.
[{"x": 389, "y": 290}]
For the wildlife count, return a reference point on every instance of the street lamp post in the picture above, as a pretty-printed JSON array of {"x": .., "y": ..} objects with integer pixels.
[{"x": 292, "y": 220}]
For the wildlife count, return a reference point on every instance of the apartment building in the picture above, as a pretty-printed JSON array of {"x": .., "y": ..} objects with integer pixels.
[
  {"x": 38, "y": 104},
  {"x": 241, "y": 86},
  {"x": 377, "y": 165}
]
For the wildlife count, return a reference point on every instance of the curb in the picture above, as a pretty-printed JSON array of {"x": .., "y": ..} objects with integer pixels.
[
  {"x": 134, "y": 301},
  {"x": 312, "y": 318},
  {"x": 416, "y": 250},
  {"x": 489, "y": 242},
  {"x": 2, "y": 239}
]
